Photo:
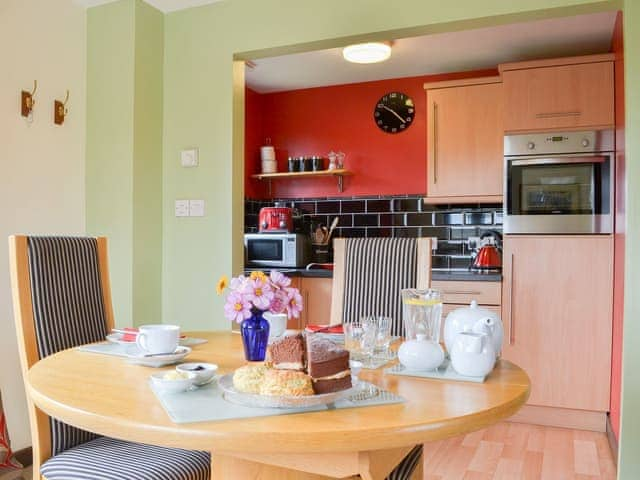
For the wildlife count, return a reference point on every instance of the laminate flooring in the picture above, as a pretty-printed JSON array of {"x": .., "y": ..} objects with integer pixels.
[
  {"x": 506, "y": 451},
  {"x": 514, "y": 451}
]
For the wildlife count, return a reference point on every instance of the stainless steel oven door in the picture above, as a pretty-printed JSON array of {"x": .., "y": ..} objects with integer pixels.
[{"x": 559, "y": 194}]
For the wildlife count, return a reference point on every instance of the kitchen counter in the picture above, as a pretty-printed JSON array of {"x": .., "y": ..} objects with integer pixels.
[{"x": 439, "y": 275}]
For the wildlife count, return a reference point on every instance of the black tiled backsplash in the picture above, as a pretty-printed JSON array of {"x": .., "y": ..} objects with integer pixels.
[{"x": 396, "y": 216}]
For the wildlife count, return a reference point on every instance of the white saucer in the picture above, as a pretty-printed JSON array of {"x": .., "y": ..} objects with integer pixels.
[
  {"x": 186, "y": 341},
  {"x": 138, "y": 357}
]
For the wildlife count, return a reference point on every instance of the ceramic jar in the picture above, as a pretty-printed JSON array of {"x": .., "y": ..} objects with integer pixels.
[
  {"x": 472, "y": 354},
  {"x": 473, "y": 319},
  {"x": 420, "y": 354},
  {"x": 277, "y": 324}
]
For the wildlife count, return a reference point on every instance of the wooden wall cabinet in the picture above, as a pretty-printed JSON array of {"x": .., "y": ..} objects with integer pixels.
[
  {"x": 557, "y": 315},
  {"x": 563, "y": 94},
  {"x": 464, "y": 141}
]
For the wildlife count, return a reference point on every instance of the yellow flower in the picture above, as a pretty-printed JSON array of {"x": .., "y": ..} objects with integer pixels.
[
  {"x": 257, "y": 274},
  {"x": 222, "y": 284}
]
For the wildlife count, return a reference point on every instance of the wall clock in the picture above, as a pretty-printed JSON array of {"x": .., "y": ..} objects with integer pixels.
[{"x": 394, "y": 112}]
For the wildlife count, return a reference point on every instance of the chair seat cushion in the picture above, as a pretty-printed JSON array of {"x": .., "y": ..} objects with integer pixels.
[
  {"x": 405, "y": 468},
  {"x": 111, "y": 459}
]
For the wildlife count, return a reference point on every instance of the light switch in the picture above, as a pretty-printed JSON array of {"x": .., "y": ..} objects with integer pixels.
[
  {"x": 196, "y": 208},
  {"x": 189, "y": 158},
  {"x": 182, "y": 208}
]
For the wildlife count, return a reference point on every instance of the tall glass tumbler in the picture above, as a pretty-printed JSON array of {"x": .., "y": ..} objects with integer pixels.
[{"x": 422, "y": 313}]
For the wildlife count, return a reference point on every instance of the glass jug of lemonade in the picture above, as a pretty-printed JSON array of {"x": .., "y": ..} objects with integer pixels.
[{"x": 421, "y": 313}]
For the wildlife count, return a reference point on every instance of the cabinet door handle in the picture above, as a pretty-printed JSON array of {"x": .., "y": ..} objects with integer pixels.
[
  {"x": 557, "y": 114},
  {"x": 435, "y": 143},
  {"x": 460, "y": 292},
  {"x": 512, "y": 340}
]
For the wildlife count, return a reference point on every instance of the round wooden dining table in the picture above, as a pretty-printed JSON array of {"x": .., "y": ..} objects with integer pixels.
[{"x": 107, "y": 395}]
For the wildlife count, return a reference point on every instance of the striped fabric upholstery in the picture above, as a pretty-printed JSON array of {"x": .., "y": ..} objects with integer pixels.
[
  {"x": 67, "y": 307},
  {"x": 109, "y": 459},
  {"x": 376, "y": 269},
  {"x": 405, "y": 468},
  {"x": 68, "y": 311}
]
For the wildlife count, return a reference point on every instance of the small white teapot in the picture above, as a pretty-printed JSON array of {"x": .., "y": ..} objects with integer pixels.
[
  {"x": 472, "y": 354},
  {"x": 420, "y": 354},
  {"x": 473, "y": 319}
]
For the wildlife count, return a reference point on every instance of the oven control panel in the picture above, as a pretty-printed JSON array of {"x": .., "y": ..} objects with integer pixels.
[{"x": 559, "y": 143}]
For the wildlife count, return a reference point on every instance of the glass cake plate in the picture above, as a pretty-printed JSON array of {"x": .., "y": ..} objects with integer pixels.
[{"x": 279, "y": 401}]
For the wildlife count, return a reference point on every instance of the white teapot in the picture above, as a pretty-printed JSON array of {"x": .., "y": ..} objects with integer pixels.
[
  {"x": 472, "y": 354},
  {"x": 473, "y": 319}
]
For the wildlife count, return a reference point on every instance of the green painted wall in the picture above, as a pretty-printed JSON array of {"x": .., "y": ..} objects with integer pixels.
[
  {"x": 124, "y": 151},
  {"x": 147, "y": 164},
  {"x": 200, "y": 44},
  {"x": 629, "y": 460},
  {"x": 109, "y": 150}
]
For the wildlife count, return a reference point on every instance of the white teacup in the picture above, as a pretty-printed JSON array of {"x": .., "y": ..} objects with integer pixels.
[
  {"x": 157, "y": 339},
  {"x": 277, "y": 324}
]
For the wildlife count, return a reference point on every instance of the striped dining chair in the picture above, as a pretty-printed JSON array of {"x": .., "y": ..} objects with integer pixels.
[
  {"x": 62, "y": 299},
  {"x": 368, "y": 275}
]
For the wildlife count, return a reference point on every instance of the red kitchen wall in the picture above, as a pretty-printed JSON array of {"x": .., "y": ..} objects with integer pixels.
[
  {"x": 316, "y": 121},
  {"x": 619, "y": 237}
]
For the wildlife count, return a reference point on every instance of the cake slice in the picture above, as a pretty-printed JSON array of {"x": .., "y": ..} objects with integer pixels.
[
  {"x": 327, "y": 364},
  {"x": 287, "y": 353}
]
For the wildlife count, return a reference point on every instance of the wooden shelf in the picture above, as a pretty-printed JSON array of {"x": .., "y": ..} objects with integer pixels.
[{"x": 338, "y": 173}]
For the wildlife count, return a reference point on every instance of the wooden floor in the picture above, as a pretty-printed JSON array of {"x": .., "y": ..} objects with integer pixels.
[
  {"x": 507, "y": 451},
  {"x": 516, "y": 451}
]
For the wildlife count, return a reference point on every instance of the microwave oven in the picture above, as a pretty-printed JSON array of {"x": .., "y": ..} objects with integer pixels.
[
  {"x": 559, "y": 183},
  {"x": 290, "y": 250}
]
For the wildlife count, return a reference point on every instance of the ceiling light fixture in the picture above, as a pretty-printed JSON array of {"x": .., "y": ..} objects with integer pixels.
[{"x": 367, "y": 52}]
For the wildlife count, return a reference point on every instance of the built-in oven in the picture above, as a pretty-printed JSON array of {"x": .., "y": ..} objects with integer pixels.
[{"x": 559, "y": 182}]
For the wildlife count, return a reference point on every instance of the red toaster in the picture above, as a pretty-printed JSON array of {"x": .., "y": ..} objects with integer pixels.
[{"x": 275, "y": 219}]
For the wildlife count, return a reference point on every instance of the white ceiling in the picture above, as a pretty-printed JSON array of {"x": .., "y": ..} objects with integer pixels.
[
  {"x": 165, "y": 6},
  {"x": 440, "y": 53}
]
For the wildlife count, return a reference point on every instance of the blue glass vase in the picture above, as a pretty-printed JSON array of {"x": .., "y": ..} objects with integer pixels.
[{"x": 255, "y": 336}]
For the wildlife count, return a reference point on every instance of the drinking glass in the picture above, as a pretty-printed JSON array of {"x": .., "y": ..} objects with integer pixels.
[
  {"x": 360, "y": 338},
  {"x": 422, "y": 313},
  {"x": 383, "y": 333}
]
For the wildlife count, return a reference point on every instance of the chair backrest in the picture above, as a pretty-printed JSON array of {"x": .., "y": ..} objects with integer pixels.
[
  {"x": 62, "y": 299},
  {"x": 370, "y": 272}
]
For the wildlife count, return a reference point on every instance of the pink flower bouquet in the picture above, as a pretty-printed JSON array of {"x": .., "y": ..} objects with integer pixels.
[{"x": 259, "y": 292}]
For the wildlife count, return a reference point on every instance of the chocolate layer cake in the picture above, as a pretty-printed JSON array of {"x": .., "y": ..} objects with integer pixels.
[
  {"x": 328, "y": 365},
  {"x": 287, "y": 353}
]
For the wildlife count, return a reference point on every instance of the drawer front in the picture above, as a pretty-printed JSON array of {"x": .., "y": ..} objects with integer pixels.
[
  {"x": 485, "y": 293},
  {"x": 447, "y": 308}
]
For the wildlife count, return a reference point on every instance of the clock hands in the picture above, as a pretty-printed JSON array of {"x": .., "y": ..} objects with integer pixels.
[{"x": 394, "y": 112}]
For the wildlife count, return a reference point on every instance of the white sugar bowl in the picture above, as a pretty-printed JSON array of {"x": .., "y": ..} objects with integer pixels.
[
  {"x": 472, "y": 354},
  {"x": 473, "y": 319},
  {"x": 420, "y": 354}
]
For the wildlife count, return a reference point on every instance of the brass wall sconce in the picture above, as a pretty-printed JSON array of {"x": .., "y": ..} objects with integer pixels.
[
  {"x": 27, "y": 102},
  {"x": 60, "y": 110}
]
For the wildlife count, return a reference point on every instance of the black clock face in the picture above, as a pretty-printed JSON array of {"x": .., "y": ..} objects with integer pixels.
[{"x": 394, "y": 112}]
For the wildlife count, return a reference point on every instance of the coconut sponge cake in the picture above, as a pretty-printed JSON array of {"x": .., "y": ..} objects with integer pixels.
[
  {"x": 249, "y": 378},
  {"x": 286, "y": 382}
]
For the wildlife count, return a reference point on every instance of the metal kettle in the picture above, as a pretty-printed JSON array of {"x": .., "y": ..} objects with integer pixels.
[{"x": 489, "y": 256}]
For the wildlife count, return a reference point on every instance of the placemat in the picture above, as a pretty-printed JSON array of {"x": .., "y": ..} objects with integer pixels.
[
  {"x": 443, "y": 372},
  {"x": 206, "y": 404},
  {"x": 108, "y": 348}
]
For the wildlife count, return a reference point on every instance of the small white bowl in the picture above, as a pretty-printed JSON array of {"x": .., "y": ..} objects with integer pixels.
[
  {"x": 204, "y": 372},
  {"x": 173, "y": 385}
]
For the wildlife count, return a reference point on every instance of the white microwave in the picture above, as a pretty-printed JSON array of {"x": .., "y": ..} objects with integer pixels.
[{"x": 291, "y": 250}]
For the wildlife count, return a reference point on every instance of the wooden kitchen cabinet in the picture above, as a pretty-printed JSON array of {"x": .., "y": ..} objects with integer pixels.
[
  {"x": 570, "y": 93},
  {"x": 316, "y": 295},
  {"x": 557, "y": 315},
  {"x": 464, "y": 141}
]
